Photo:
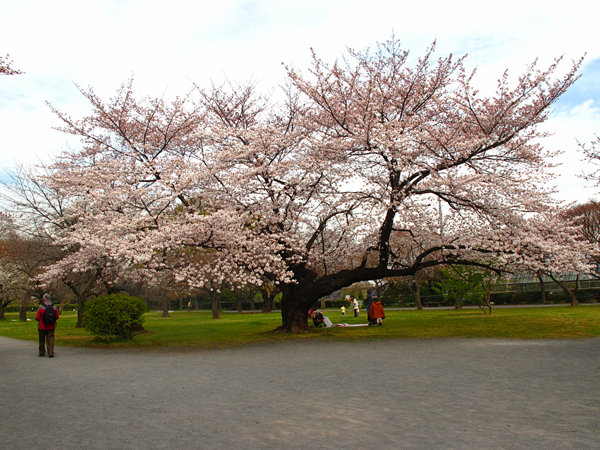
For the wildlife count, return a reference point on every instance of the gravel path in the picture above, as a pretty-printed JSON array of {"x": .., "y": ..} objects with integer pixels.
[{"x": 395, "y": 394}]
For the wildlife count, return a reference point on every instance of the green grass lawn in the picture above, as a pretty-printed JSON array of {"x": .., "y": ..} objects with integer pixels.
[{"x": 197, "y": 330}]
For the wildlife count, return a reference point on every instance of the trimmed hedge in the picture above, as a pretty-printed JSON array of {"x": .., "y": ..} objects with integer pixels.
[{"x": 117, "y": 315}]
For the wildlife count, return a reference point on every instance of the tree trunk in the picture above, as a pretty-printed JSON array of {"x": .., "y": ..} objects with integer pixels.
[
  {"x": 542, "y": 286},
  {"x": 418, "y": 297},
  {"x": 295, "y": 303},
  {"x": 294, "y": 320},
  {"x": 238, "y": 298},
  {"x": 488, "y": 300},
  {"x": 574, "y": 300},
  {"x": 459, "y": 303},
  {"x": 82, "y": 295},
  {"x": 216, "y": 305},
  {"x": 195, "y": 302},
  {"x": 415, "y": 289},
  {"x": 23, "y": 310},
  {"x": 252, "y": 299},
  {"x": 164, "y": 300},
  {"x": 268, "y": 301},
  {"x": 572, "y": 293},
  {"x": 4, "y": 302},
  {"x": 80, "y": 308}
]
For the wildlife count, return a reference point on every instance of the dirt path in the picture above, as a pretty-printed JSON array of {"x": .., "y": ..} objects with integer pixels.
[{"x": 401, "y": 394}]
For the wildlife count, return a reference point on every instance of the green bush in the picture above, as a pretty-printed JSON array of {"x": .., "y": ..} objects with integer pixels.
[{"x": 114, "y": 315}]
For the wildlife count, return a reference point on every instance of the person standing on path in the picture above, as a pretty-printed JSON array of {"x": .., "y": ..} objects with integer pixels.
[
  {"x": 46, "y": 315},
  {"x": 368, "y": 303}
]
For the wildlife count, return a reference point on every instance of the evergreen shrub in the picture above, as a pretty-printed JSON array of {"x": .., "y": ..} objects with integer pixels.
[{"x": 115, "y": 315}]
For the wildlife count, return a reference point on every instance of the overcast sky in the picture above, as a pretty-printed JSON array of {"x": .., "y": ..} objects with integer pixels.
[{"x": 169, "y": 45}]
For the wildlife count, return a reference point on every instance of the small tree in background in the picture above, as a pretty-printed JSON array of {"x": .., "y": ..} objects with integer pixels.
[
  {"x": 470, "y": 283},
  {"x": 116, "y": 315}
]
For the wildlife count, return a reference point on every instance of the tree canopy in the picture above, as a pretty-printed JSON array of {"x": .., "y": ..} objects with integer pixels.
[{"x": 343, "y": 178}]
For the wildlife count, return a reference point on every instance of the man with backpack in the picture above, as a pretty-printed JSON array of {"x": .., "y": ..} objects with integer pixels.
[{"x": 47, "y": 315}]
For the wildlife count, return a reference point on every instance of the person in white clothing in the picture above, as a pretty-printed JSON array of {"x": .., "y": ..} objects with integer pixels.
[{"x": 354, "y": 304}]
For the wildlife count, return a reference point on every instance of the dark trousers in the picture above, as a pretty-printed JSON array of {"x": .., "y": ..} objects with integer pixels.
[
  {"x": 46, "y": 340},
  {"x": 356, "y": 313}
]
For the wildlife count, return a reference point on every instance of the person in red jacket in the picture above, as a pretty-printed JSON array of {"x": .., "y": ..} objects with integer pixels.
[
  {"x": 376, "y": 314},
  {"x": 46, "y": 329}
]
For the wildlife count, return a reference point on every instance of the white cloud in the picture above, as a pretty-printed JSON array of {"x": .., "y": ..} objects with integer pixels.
[{"x": 586, "y": 110}]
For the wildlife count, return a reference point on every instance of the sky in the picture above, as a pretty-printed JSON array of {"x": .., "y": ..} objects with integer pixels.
[{"x": 167, "y": 46}]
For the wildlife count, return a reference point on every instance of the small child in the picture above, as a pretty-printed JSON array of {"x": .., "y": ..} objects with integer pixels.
[
  {"x": 343, "y": 308},
  {"x": 317, "y": 318}
]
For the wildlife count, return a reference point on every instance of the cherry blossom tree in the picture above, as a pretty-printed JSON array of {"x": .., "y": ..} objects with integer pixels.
[
  {"x": 587, "y": 217},
  {"x": 591, "y": 152},
  {"x": 325, "y": 187},
  {"x": 408, "y": 137},
  {"x": 42, "y": 215},
  {"x": 6, "y": 66},
  {"x": 21, "y": 260}
]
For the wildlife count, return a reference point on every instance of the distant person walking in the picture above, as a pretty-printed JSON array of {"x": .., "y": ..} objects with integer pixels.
[
  {"x": 189, "y": 306},
  {"x": 46, "y": 315},
  {"x": 343, "y": 308}
]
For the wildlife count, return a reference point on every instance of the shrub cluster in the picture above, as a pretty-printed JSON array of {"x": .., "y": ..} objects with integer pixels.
[{"x": 114, "y": 315}]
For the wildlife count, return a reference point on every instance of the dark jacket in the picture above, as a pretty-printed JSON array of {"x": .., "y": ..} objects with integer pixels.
[{"x": 369, "y": 302}]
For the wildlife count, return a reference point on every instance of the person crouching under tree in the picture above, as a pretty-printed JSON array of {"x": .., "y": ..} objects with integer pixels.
[{"x": 376, "y": 314}]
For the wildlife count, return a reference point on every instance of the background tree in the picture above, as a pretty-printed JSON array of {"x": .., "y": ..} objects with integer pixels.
[
  {"x": 268, "y": 290},
  {"x": 586, "y": 217},
  {"x": 5, "y": 300},
  {"x": 22, "y": 260},
  {"x": 467, "y": 283}
]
